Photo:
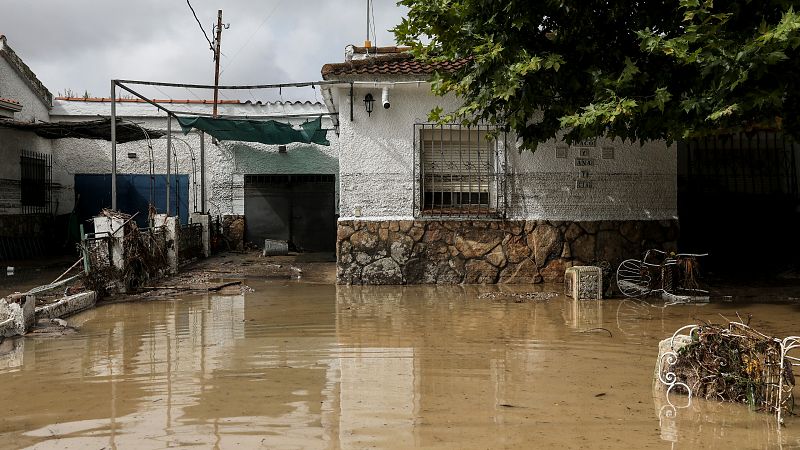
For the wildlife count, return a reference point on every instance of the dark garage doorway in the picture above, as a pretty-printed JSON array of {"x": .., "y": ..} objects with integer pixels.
[
  {"x": 738, "y": 200},
  {"x": 299, "y": 209}
]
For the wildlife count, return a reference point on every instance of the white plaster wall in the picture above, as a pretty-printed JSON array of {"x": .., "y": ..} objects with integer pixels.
[
  {"x": 377, "y": 159},
  {"x": 13, "y": 86},
  {"x": 639, "y": 183},
  {"x": 226, "y": 162},
  {"x": 12, "y": 142}
]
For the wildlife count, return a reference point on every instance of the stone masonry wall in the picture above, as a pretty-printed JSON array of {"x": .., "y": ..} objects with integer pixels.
[{"x": 487, "y": 251}]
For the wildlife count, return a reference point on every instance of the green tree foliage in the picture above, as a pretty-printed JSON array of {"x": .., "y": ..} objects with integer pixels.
[{"x": 639, "y": 70}]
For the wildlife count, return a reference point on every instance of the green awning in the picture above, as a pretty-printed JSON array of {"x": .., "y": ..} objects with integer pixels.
[{"x": 264, "y": 131}]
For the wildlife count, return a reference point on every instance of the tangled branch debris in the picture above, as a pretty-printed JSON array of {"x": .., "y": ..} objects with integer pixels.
[
  {"x": 735, "y": 363},
  {"x": 145, "y": 253}
]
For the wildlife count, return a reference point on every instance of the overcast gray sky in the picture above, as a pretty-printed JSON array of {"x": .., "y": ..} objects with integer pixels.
[{"x": 83, "y": 44}]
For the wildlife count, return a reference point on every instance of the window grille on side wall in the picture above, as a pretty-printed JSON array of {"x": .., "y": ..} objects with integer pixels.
[
  {"x": 35, "y": 182},
  {"x": 459, "y": 171}
]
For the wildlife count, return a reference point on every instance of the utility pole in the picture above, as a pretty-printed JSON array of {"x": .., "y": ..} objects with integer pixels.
[{"x": 217, "y": 49}]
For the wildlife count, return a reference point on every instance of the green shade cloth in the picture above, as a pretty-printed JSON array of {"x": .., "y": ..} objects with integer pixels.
[{"x": 264, "y": 131}]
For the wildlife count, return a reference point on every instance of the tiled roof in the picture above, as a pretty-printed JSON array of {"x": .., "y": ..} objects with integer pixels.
[
  {"x": 387, "y": 65},
  {"x": 9, "y": 104},
  {"x": 127, "y": 107}
]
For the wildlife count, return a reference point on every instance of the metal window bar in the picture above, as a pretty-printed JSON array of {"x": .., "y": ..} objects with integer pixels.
[
  {"x": 761, "y": 163},
  {"x": 460, "y": 172},
  {"x": 35, "y": 182}
]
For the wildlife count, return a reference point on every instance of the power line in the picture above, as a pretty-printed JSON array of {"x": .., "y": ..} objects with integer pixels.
[{"x": 210, "y": 45}]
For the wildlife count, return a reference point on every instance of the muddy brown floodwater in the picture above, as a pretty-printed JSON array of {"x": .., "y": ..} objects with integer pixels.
[{"x": 296, "y": 365}]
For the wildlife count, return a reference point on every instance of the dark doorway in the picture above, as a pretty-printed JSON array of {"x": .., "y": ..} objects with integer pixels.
[
  {"x": 738, "y": 200},
  {"x": 299, "y": 209},
  {"x": 134, "y": 194}
]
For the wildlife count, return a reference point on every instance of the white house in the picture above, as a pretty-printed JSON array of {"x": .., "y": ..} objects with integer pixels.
[
  {"x": 428, "y": 203},
  {"x": 285, "y": 192},
  {"x": 57, "y": 168}
]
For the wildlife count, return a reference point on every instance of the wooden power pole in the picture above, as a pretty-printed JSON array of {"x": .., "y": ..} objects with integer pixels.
[{"x": 217, "y": 49}]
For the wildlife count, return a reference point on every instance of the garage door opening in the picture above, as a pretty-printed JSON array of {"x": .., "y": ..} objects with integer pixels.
[{"x": 299, "y": 209}]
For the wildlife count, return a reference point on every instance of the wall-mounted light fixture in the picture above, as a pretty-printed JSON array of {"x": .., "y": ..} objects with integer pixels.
[
  {"x": 369, "y": 103},
  {"x": 132, "y": 155}
]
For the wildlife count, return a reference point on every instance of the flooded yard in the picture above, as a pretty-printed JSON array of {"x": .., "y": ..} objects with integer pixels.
[{"x": 295, "y": 365}]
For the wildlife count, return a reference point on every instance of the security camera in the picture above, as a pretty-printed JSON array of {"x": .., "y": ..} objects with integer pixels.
[{"x": 385, "y": 98}]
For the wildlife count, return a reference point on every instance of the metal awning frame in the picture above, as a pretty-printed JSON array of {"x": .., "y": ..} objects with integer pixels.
[{"x": 123, "y": 84}]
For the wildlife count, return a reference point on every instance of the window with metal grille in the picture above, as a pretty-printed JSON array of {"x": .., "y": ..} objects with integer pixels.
[
  {"x": 35, "y": 182},
  {"x": 459, "y": 171}
]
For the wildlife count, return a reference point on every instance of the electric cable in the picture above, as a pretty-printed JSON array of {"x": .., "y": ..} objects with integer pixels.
[{"x": 210, "y": 45}]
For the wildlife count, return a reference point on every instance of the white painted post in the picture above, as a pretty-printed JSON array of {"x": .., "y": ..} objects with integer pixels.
[
  {"x": 115, "y": 229},
  {"x": 205, "y": 221},
  {"x": 172, "y": 231},
  {"x": 169, "y": 224}
]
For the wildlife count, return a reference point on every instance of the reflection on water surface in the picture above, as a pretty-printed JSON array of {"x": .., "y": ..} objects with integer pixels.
[{"x": 314, "y": 366}]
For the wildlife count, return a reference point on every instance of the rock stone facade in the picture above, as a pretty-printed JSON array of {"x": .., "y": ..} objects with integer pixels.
[{"x": 487, "y": 251}]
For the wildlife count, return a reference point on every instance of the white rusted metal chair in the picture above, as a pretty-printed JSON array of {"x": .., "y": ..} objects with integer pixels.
[{"x": 672, "y": 275}]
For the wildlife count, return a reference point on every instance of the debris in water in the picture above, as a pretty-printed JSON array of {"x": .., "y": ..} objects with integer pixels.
[
  {"x": 598, "y": 329},
  {"x": 733, "y": 363},
  {"x": 519, "y": 297}
]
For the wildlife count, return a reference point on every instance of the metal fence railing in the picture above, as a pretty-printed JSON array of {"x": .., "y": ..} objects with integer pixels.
[
  {"x": 758, "y": 163},
  {"x": 459, "y": 171}
]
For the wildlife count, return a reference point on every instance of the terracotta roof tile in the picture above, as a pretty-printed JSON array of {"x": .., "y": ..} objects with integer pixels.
[
  {"x": 390, "y": 64},
  {"x": 9, "y": 100}
]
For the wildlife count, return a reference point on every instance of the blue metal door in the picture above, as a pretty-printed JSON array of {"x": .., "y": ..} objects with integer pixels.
[{"x": 134, "y": 194}]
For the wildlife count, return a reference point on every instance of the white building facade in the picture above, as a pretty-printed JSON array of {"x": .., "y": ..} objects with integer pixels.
[
  {"x": 429, "y": 203},
  {"x": 242, "y": 178}
]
